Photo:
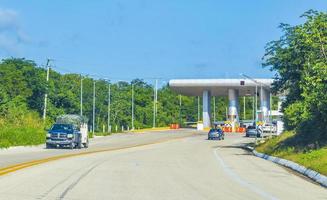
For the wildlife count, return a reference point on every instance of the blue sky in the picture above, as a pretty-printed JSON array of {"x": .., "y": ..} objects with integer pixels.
[{"x": 127, "y": 39}]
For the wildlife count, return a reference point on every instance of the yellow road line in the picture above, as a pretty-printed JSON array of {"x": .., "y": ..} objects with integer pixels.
[{"x": 19, "y": 166}]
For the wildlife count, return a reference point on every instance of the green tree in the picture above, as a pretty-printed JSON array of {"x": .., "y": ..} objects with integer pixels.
[{"x": 300, "y": 61}]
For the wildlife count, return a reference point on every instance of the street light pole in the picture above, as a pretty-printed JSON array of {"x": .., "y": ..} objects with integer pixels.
[{"x": 256, "y": 92}]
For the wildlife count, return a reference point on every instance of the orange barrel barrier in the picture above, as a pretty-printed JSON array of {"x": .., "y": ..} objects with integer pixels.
[
  {"x": 227, "y": 129},
  {"x": 172, "y": 126},
  {"x": 240, "y": 129}
]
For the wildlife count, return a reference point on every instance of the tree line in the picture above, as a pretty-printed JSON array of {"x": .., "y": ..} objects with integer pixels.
[
  {"x": 299, "y": 59},
  {"x": 23, "y": 85}
]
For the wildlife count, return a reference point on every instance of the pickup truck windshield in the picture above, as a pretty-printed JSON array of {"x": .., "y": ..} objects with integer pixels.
[{"x": 62, "y": 127}]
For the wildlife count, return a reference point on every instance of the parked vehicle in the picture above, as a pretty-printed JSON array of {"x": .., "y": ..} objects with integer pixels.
[
  {"x": 269, "y": 128},
  {"x": 252, "y": 131},
  {"x": 216, "y": 134},
  {"x": 68, "y": 131}
]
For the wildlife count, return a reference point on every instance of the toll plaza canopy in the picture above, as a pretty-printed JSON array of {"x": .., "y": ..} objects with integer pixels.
[
  {"x": 233, "y": 88},
  {"x": 218, "y": 87}
]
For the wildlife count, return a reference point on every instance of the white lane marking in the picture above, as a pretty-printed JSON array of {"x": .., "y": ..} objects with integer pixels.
[{"x": 239, "y": 180}]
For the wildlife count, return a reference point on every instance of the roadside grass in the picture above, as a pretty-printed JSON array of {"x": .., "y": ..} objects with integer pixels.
[
  {"x": 103, "y": 133},
  {"x": 310, "y": 157},
  {"x": 30, "y": 131}
]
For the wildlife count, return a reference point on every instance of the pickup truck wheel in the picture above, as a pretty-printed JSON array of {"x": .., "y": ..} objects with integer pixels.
[
  {"x": 86, "y": 145},
  {"x": 47, "y": 146}
]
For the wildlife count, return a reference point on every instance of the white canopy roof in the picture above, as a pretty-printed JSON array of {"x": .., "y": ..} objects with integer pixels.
[{"x": 218, "y": 87}]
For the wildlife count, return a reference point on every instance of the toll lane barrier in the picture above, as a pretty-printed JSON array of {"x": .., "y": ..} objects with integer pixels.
[
  {"x": 174, "y": 126},
  {"x": 230, "y": 129},
  {"x": 240, "y": 130},
  {"x": 227, "y": 129}
]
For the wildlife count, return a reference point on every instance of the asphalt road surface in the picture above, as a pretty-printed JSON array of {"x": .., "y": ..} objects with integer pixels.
[
  {"x": 167, "y": 165},
  {"x": 17, "y": 155}
]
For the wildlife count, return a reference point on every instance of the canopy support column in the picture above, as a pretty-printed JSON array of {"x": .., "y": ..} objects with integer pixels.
[{"x": 206, "y": 109}]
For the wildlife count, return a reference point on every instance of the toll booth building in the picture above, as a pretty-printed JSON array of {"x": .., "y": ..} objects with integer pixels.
[{"x": 233, "y": 88}]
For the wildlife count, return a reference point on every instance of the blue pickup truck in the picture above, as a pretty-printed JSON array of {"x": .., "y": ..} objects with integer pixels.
[{"x": 69, "y": 131}]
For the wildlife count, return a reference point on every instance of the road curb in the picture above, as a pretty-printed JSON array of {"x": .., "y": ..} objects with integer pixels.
[{"x": 313, "y": 175}]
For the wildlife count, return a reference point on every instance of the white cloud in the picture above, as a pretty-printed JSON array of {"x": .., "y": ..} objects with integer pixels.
[
  {"x": 11, "y": 34},
  {"x": 8, "y": 19}
]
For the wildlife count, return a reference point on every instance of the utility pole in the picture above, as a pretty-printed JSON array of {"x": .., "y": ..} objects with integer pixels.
[
  {"x": 156, "y": 98},
  {"x": 270, "y": 107},
  {"x": 198, "y": 108},
  {"x": 81, "y": 96},
  {"x": 214, "y": 109},
  {"x": 244, "y": 108},
  {"x": 256, "y": 102},
  {"x": 93, "y": 118},
  {"x": 154, "y": 107},
  {"x": 46, "y": 93},
  {"x": 109, "y": 105},
  {"x": 262, "y": 116},
  {"x": 155, "y": 104},
  {"x": 132, "y": 106},
  {"x": 180, "y": 110},
  {"x": 253, "y": 108}
]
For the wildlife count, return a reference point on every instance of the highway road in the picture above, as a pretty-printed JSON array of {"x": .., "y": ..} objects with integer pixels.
[
  {"x": 158, "y": 165},
  {"x": 18, "y": 155}
]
